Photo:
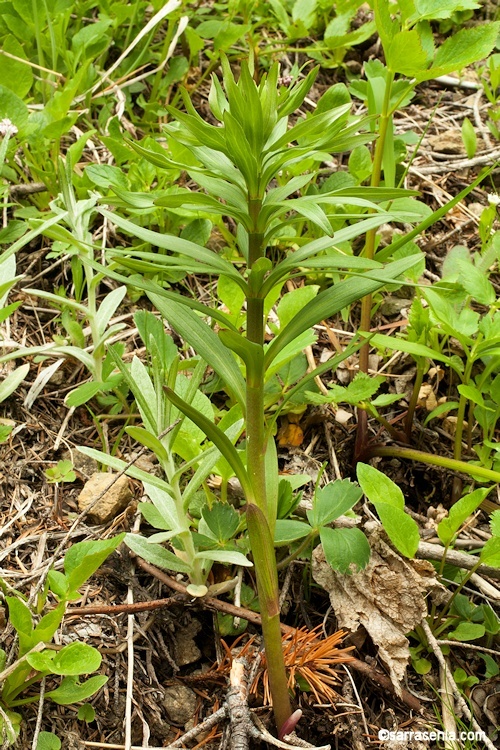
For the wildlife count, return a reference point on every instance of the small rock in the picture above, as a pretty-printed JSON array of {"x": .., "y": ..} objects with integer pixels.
[
  {"x": 72, "y": 741},
  {"x": 342, "y": 416},
  {"x": 180, "y": 704},
  {"x": 448, "y": 142},
  {"x": 111, "y": 503},
  {"x": 186, "y": 650},
  {"x": 83, "y": 464},
  {"x": 386, "y": 233},
  {"x": 394, "y": 305}
]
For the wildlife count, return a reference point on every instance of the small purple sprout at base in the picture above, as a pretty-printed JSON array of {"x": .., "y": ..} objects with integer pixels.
[{"x": 289, "y": 725}]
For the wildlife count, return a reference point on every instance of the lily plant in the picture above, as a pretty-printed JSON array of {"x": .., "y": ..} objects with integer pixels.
[{"x": 251, "y": 168}]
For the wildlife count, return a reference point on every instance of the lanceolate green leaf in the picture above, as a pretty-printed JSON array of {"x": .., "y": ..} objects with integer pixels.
[
  {"x": 205, "y": 342},
  {"x": 218, "y": 438},
  {"x": 294, "y": 260},
  {"x": 26, "y": 238},
  {"x": 151, "y": 287},
  {"x": 389, "y": 250},
  {"x": 331, "y": 301},
  {"x": 250, "y": 353},
  {"x": 156, "y": 554},
  {"x": 459, "y": 512},
  {"x": 174, "y": 244},
  {"x": 418, "y": 350},
  {"x": 131, "y": 471}
]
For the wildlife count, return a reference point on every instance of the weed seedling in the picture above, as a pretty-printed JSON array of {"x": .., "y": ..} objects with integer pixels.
[{"x": 37, "y": 658}]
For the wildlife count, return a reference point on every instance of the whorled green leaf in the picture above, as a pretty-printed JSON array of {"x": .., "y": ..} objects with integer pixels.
[
  {"x": 334, "y": 299},
  {"x": 205, "y": 342},
  {"x": 218, "y": 438}
]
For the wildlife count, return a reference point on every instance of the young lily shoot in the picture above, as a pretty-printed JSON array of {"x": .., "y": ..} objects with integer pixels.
[{"x": 249, "y": 168}]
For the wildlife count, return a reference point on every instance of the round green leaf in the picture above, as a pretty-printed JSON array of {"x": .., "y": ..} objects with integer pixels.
[
  {"x": 75, "y": 659},
  {"x": 12, "y": 108},
  {"x": 467, "y": 631},
  {"x": 48, "y": 741},
  {"x": 86, "y": 713}
]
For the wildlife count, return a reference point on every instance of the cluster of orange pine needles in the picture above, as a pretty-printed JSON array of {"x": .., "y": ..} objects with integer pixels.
[
  {"x": 309, "y": 659},
  {"x": 312, "y": 659}
]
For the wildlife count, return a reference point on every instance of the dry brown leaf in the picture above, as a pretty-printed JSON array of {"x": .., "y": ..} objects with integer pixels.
[
  {"x": 342, "y": 416},
  {"x": 387, "y": 598},
  {"x": 450, "y": 425},
  {"x": 427, "y": 397},
  {"x": 290, "y": 434}
]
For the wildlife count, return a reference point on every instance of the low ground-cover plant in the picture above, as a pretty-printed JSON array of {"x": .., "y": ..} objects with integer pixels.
[
  {"x": 411, "y": 57},
  {"x": 460, "y": 618},
  {"x": 36, "y": 658},
  {"x": 70, "y": 228},
  {"x": 182, "y": 507}
]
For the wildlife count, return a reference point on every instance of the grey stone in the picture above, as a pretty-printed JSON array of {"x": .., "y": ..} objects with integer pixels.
[{"x": 180, "y": 703}]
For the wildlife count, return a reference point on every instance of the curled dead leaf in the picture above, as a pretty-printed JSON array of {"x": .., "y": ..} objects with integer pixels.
[
  {"x": 387, "y": 598},
  {"x": 427, "y": 397}
]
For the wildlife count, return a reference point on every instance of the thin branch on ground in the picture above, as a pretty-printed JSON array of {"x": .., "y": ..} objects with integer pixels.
[
  {"x": 448, "y": 717},
  {"x": 130, "y": 674},
  {"x": 360, "y": 666},
  {"x": 428, "y": 551},
  {"x": 472, "y": 646},
  {"x": 459, "y": 699},
  {"x": 358, "y": 743},
  {"x": 260, "y": 733},
  {"x": 237, "y": 705},
  {"x": 39, "y": 716}
]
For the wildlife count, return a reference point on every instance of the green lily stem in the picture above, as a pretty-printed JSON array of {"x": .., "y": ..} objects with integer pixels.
[
  {"x": 264, "y": 556},
  {"x": 369, "y": 252},
  {"x": 419, "y": 377},
  {"x": 433, "y": 460},
  {"x": 261, "y": 540}
]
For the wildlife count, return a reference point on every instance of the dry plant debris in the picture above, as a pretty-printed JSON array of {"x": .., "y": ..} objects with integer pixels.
[
  {"x": 312, "y": 660},
  {"x": 387, "y": 598}
]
